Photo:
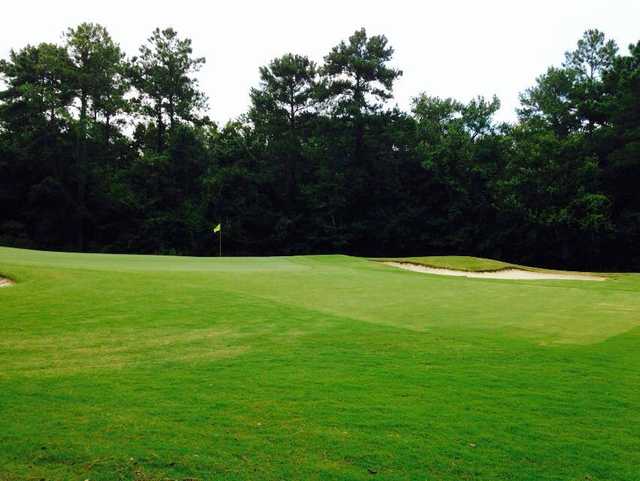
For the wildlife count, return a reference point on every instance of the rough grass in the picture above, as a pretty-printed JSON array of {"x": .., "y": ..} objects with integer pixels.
[
  {"x": 327, "y": 368},
  {"x": 460, "y": 263}
]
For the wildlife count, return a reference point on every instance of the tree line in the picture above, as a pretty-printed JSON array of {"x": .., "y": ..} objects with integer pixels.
[{"x": 104, "y": 152}]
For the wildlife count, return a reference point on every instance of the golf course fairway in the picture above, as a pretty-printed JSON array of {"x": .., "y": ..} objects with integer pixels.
[{"x": 117, "y": 367}]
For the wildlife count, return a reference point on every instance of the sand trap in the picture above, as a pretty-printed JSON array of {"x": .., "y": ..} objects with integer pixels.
[
  {"x": 5, "y": 282},
  {"x": 514, "y": 274}
]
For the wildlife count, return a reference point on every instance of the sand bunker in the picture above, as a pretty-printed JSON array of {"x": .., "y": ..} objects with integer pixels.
[
  {"x": 514, "y": 274},
  {"x": 5, "y": 282}
]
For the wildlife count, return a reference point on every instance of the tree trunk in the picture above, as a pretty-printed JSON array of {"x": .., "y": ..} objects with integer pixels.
[
  {"x": 359, "y": 157},
  {"x": 171, "y": 113},
  {"x": 107, "y": 127},
  {"x": 82, "y": 171},
  {"x": 160, "y": 130},
  {"x": 292, "y": 158}
]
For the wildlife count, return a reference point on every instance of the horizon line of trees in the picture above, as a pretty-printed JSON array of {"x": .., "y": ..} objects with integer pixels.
[{"x": 108, "y": 153}]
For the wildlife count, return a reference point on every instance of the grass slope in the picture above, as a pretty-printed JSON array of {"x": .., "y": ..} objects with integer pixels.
[
  {"x": 460, "y": 263},
  {"x": 464, "y": 263},
  {"x": 322, "y": 367}
]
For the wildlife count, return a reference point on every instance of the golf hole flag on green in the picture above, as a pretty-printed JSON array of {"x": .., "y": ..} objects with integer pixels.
[{"x": 217, "y": 229}]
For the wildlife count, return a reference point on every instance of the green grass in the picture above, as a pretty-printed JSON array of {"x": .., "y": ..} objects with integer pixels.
[
  {"x": 312, "y": 368},
  {"x": 464, "y": 263},
  {"x": 461, "y": 263}
]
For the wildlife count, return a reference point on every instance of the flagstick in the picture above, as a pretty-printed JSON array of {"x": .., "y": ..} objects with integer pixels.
[{"x": 220, "y": 242}]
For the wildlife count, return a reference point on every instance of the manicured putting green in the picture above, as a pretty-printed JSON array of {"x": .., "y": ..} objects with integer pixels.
[{"x": 315, "y": 367}]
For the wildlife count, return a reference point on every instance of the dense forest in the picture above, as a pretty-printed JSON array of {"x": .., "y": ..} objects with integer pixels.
[{"x": 104, "y": 152}]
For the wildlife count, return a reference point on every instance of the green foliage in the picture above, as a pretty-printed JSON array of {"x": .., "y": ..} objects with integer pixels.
[
  {"x": 38, "y": 86},
  {"x": 550, "y": 195},
  {"x": 460, "y": 147},
  {"x": 281, "y": 112},
  {"x": 286, "y": 91},
  {"x": 99, "y": 68},
  {"x": 100, "y": 152},
  {"x": 593, "y": 56},
  {"x": 163, "y": 77},
  {"x": 357, "y": 75}
]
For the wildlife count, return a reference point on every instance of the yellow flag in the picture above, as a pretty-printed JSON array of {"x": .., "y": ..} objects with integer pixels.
[{"x": 217, "y": 229}]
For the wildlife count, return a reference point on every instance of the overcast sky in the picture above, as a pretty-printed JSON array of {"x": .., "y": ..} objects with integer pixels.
[{"x": 449, "y": 48}]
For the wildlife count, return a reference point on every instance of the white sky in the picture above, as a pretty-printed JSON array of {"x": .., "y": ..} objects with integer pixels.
[{"x": 447, "y": 48}]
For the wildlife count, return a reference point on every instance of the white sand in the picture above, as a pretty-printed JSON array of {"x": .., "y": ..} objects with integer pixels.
[
  {"x": 5, "y": 282},
  {"x": 514, "y": 274}
]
